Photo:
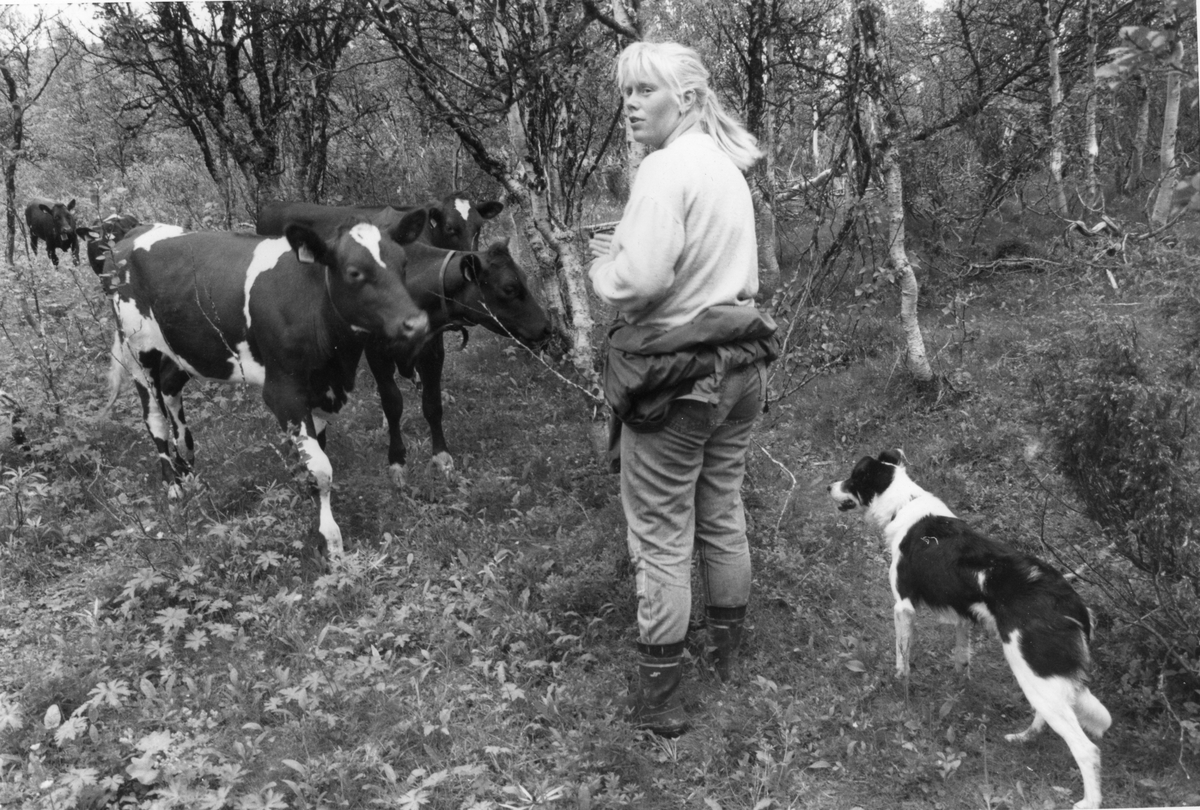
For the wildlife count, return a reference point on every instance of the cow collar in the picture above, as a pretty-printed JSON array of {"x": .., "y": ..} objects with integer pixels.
[
  {"x": 333, "y": 306},
  {"x": 442, "y": 280}
]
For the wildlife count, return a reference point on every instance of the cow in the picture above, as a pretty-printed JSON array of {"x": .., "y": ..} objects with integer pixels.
[
  {"x": 112, "y": 230},
  {"x": 287, "y": 314},
  {"x": 457, "y": 286},
  {"x": 54, "y": 224}
]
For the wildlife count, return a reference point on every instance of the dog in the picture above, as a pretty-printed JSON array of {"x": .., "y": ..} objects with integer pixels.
[{"x": 938, "y": 561}]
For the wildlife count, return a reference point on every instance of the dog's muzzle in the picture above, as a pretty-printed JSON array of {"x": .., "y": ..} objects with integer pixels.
[{"x": 845, "y": 501}]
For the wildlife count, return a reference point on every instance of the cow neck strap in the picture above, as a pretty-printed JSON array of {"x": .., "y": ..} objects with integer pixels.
[
  {"x": 442, "y": 282},
  {"x": 333, "y": 306}
]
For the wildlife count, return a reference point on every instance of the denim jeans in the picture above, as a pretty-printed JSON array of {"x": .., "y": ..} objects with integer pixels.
[{"x": 681, "y": 490}]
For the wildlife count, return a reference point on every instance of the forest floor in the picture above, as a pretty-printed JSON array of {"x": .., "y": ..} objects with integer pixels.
[{"x": 473, "y": 649}]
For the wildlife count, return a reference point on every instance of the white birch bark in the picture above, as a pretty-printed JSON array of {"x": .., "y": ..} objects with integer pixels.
[
  {"x": 1056, "y": 112},
  {"x": 1092, "y": 142},
  {"x": 1168, "y": 169}
]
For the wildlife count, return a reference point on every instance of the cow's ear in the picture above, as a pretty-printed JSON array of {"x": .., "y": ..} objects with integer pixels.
[
  {"x": 410, "y": 227},
  {"x": 46, "y": 209},
  {"x": 310, "y": 248},
  {"x": 71, "y": 205},
  {"x": 490, "y": 210},
  {"x": 437, "y": 220},
  {"x": 87, "y": 233},
  {"x": 470, "y": 267}
]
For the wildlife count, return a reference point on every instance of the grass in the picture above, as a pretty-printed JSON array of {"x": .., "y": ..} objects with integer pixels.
[{"x": 473, "y": 650}]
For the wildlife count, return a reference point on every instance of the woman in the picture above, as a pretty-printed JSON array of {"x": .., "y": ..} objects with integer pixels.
[{"x": 686, "y": 364}]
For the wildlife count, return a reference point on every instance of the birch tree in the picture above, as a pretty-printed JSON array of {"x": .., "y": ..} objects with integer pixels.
[
  {"x": 880, "y": 122},
  {"x": 1145, "y": 52},
  {"x": 1056, "y": 110}
]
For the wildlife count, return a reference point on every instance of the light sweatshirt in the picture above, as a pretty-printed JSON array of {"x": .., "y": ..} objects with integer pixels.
[{"x": 686, "y": 239}]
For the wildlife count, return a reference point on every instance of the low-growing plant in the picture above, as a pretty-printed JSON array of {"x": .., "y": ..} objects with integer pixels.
[{"x": 1122, "y": 414}]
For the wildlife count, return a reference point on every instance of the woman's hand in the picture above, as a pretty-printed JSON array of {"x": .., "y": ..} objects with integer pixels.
[{"x": 600, "y": 245}]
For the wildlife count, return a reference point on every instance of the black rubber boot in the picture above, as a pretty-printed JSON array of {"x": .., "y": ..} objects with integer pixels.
[
  {"x": 657, "y": 706},
  {"x": 725, "y": 637}
]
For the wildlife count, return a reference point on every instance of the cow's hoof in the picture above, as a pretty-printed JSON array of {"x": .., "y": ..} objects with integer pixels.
[
  {"x": 444, "y": 463},
  {"x": 399, "y": 475}
]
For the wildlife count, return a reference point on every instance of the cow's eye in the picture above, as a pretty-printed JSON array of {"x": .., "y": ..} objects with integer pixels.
[{"x": 355, "y": 275}]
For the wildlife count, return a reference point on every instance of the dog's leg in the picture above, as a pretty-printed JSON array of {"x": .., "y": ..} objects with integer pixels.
[
  {"x": 1035, "y": 728},
  {"x": 904, "y": 613},
  {"x": 1054, "y": 700},
  {"x": 1092, "y": 715},
  {"x": 962, "y": 646}
]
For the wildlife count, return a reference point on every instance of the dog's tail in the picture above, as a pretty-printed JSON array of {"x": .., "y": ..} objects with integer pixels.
[{"x": 1092, "y": 715}]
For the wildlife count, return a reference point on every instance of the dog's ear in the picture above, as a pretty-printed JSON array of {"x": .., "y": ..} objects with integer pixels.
[{"x": 894, "y": 457}]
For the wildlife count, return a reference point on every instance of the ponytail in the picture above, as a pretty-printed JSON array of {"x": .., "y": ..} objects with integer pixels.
[{"x": 679, "y": 68}]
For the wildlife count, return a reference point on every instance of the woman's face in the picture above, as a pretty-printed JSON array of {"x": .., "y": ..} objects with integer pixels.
[{"x": 652, "y": 111}]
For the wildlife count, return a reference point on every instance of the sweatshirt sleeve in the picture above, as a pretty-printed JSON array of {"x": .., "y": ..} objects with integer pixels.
[{"x": 640, "y": 268}]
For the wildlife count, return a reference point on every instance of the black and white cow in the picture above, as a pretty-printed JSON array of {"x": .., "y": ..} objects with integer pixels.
[
  {"x": 457, "y": 286},
  {"x": 54, "y": 223},
  {"x": 287, "y": 314}
]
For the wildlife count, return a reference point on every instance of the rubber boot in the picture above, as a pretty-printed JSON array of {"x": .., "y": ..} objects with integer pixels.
[
  {"x": 658, "y": 707},
  {"x": 725, "y": 637}
]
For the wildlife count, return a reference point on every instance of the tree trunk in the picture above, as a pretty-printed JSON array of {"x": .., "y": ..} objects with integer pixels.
[
  {"x": 883, "y": 123},
  {"x": 1056, "y": 112},
  {"x": 1168, "y": 170},
  {"x": 1141, "y": 137},
  {"x": 764, "y": 202},
  {"x": 1092, "y": 145},
  {"x": 10, "y": 165}
]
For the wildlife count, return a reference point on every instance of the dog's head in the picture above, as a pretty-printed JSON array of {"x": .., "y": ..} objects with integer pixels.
[{"x": 870, "y": 478}]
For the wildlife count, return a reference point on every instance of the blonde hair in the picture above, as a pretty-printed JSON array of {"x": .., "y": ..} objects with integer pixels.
[{"x": 679, "y": 68}]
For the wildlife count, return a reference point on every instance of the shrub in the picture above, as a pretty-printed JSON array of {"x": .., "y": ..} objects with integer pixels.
[{"x": 1122, "y": 417}]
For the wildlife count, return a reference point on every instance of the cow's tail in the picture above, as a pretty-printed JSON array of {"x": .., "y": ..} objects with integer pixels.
[{"x": 116, "y": 376}]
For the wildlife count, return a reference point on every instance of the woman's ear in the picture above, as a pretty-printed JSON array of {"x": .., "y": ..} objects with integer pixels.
[{"x": 689, "y": 100}]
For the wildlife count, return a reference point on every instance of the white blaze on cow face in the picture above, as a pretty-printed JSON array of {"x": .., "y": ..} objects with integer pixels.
[
  {"x": 464, "y": 208},
  {"x": 369, "y": 237}
]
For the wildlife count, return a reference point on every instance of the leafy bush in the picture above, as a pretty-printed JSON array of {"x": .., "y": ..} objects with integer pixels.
[{"x": 1122, "y": 416}]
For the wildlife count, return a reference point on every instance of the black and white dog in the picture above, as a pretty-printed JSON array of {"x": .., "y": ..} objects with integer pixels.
[{"x": 941, "y": 562}]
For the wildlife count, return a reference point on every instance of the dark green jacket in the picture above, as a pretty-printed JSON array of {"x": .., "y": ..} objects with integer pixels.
[{"x": 648, "y": 367}]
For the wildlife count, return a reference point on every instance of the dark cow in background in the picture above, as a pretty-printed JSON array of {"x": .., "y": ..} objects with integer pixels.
[
  {"x": 54, "y": 224},
  {"x": 112, "y": 230},
  {"x": 286, "y": 314},
  {"x": 455, "y": 284}
]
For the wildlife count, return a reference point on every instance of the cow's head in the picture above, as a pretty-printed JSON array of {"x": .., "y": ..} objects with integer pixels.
[
  {"x": 364, "y": 276},
  {"x": 65, "y": 229},
  {"x": 115, "y": 226},
  {"x": 497, "y": 297},
  {"x": 455, "y": 222}
]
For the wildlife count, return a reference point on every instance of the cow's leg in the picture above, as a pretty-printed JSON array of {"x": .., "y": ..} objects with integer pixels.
[
  {"x": 52, "y": 253},
  {"x": 143, "y": 369},
  {"x": 171, "y": 382},
  {"x": 116, "y": 374},
  {"x": 383, "y": 368},
  {"x": 286, "y": 400},
  {"x": 429, "y": 365}
]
